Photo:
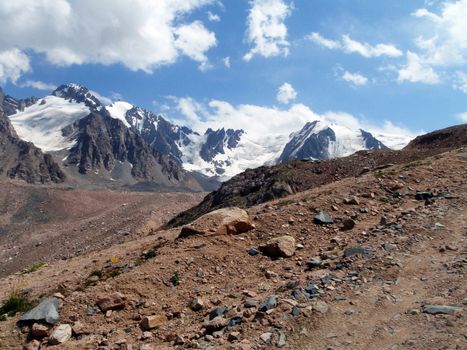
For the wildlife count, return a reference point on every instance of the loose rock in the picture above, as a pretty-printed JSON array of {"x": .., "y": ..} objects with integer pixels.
[
  {"x": 60, "y": 335},
  {"x": 279, "y": 247}
]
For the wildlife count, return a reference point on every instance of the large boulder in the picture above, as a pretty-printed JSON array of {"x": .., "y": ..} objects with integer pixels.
[
  {"x": 283, "y": 246},
  {"x": 46, "y": 311},
  {"x": 222, "y": 221}
]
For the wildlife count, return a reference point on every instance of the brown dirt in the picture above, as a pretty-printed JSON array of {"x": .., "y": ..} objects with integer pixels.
[
  {"x": 385, "y": 290},
  {"x": 41, "y": 223}
]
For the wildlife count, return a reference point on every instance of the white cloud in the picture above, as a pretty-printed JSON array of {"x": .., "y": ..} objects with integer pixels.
[
  {"x": 349, "y": 45},
  {"x": 367, "y": 50},
  {"x": 286, "y": 93},
  {"x": 226, "y": 61},
  {"x": 142, "y": 35},
  {"x": 39, "y": 85},
  {"x": 13, "y": 64},
  {"x": 416, "y": 70},
  {"x": 355, "y": 78},
  {"x": 261, "y": 121},
  {"x": 104, "y": 99},
  {"x": 460, "y": 82},
  {"x": 266, "y": 30},
  {"x": 213, "y": 17},
  {"x": 320, "y": 40},
  {"x": 444, "y": 42},
  {"x": 462, "y": 117},
  {"x": 194, "y": 40}
]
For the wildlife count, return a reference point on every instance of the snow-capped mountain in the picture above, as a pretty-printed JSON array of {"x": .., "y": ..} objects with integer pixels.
[
  {"x": 122, "y": 139},
  {"x": 20, "y": 159},
  {"x": 85, "y": 139},
  {"x": 319, "y": 140}
]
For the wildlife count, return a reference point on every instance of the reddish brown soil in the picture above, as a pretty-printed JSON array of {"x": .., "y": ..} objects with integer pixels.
[{"x": 383, "y": 292}]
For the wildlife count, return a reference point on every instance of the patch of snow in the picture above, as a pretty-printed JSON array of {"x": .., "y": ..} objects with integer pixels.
[
  {"x": 42, "y": 123},
  {"x": 118, "y": 111}
]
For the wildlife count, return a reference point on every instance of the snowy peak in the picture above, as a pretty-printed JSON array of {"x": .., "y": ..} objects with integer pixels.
[
  {"x": 319, "y": 140},
  {"x": 77, "y": 93},
  {"x": 164, "y": 137},
  {"x": 218, "y": 141}
]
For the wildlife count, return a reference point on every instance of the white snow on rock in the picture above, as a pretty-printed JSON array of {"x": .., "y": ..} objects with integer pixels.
[
  {"x": 42, "y": 123},
  {"x": 118, "y": 111}
]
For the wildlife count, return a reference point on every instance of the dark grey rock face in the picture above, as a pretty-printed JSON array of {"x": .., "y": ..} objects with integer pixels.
[
  {"x": 22, "y": 160},
  {"x": 78, "y": 93},
  {"x": 217, "y": 141},
  {"x": 11, "y": 105},
  {"x": 165, "y": 137},
  {"x": 306, "y": 145},
  {"x": 102, "y": 141},
  {"x": 311, "y": 144},
  {"x": 371, "y": 142}
]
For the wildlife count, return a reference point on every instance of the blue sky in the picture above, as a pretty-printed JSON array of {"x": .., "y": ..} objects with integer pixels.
[{"x": 395, "y": 65}]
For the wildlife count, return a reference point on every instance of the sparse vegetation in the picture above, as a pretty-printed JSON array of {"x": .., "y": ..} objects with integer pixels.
[
  {"x": 15, "y": 303},
  {"x": 36, "y": 266},
  {"x": 175, "y": 279},
  {"x": 151, "y": 253}
]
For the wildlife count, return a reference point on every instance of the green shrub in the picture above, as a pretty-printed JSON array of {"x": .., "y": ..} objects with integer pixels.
[
  {"x": 36, "y": 266},
  {"x": 15, "y": 303},
  {"x": 151, "y": 253},
  {"x": 175, "y": 279}
]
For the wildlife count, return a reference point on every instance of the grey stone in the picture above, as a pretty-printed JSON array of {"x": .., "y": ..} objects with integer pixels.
[
  {"x": 218, "y": 311},
  {"x": 250, "y": 303},
  {"x": 441, "y": 309},
  {"x": 323, "y": 218},
  {"x": 46, "y": 311},
  {"x": 357, "y": 250},
  {"x": 282, "y": 340},
  {"x": 269, "y": 303}
]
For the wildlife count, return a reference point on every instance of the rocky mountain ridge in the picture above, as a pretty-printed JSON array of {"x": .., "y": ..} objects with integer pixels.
[{"x": 219, "y": 154}]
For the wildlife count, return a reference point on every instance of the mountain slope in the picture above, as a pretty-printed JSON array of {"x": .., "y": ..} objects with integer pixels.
[
  {"x": 454, "y": 136},
  {"x": 22, "y": 160}
]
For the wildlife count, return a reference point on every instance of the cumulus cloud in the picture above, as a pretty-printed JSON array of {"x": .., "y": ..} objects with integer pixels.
[
  {"x": 445, "y": 39},
  {"x": 226, "y": 61},
  {"x": 261, "y": 121},
  {"x": 39, "y": 85},
  {"x": 441, "y": 46},
  {"x": 13, "y": 64},
  {"x": 266, "y": 30},
  {"x": 142, "y": 35},
  {"x": 349, "y": 45},
  {"x": 286, "y": 93},
  {"x": 462, "y": 117},
  {"x": 417, "y": 70},
  {"x": 355, "y": 78}
]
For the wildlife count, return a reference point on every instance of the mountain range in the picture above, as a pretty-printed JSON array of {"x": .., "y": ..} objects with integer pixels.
[{"x": 74, "y": 136}]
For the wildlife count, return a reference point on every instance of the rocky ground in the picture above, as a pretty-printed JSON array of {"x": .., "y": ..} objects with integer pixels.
[
  {"x": 45, "y": 223},
  {"x": 375, "y": 261}
]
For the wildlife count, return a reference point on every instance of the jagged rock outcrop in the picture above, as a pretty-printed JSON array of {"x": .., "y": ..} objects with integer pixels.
[{"x": 103, "y": 142}]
